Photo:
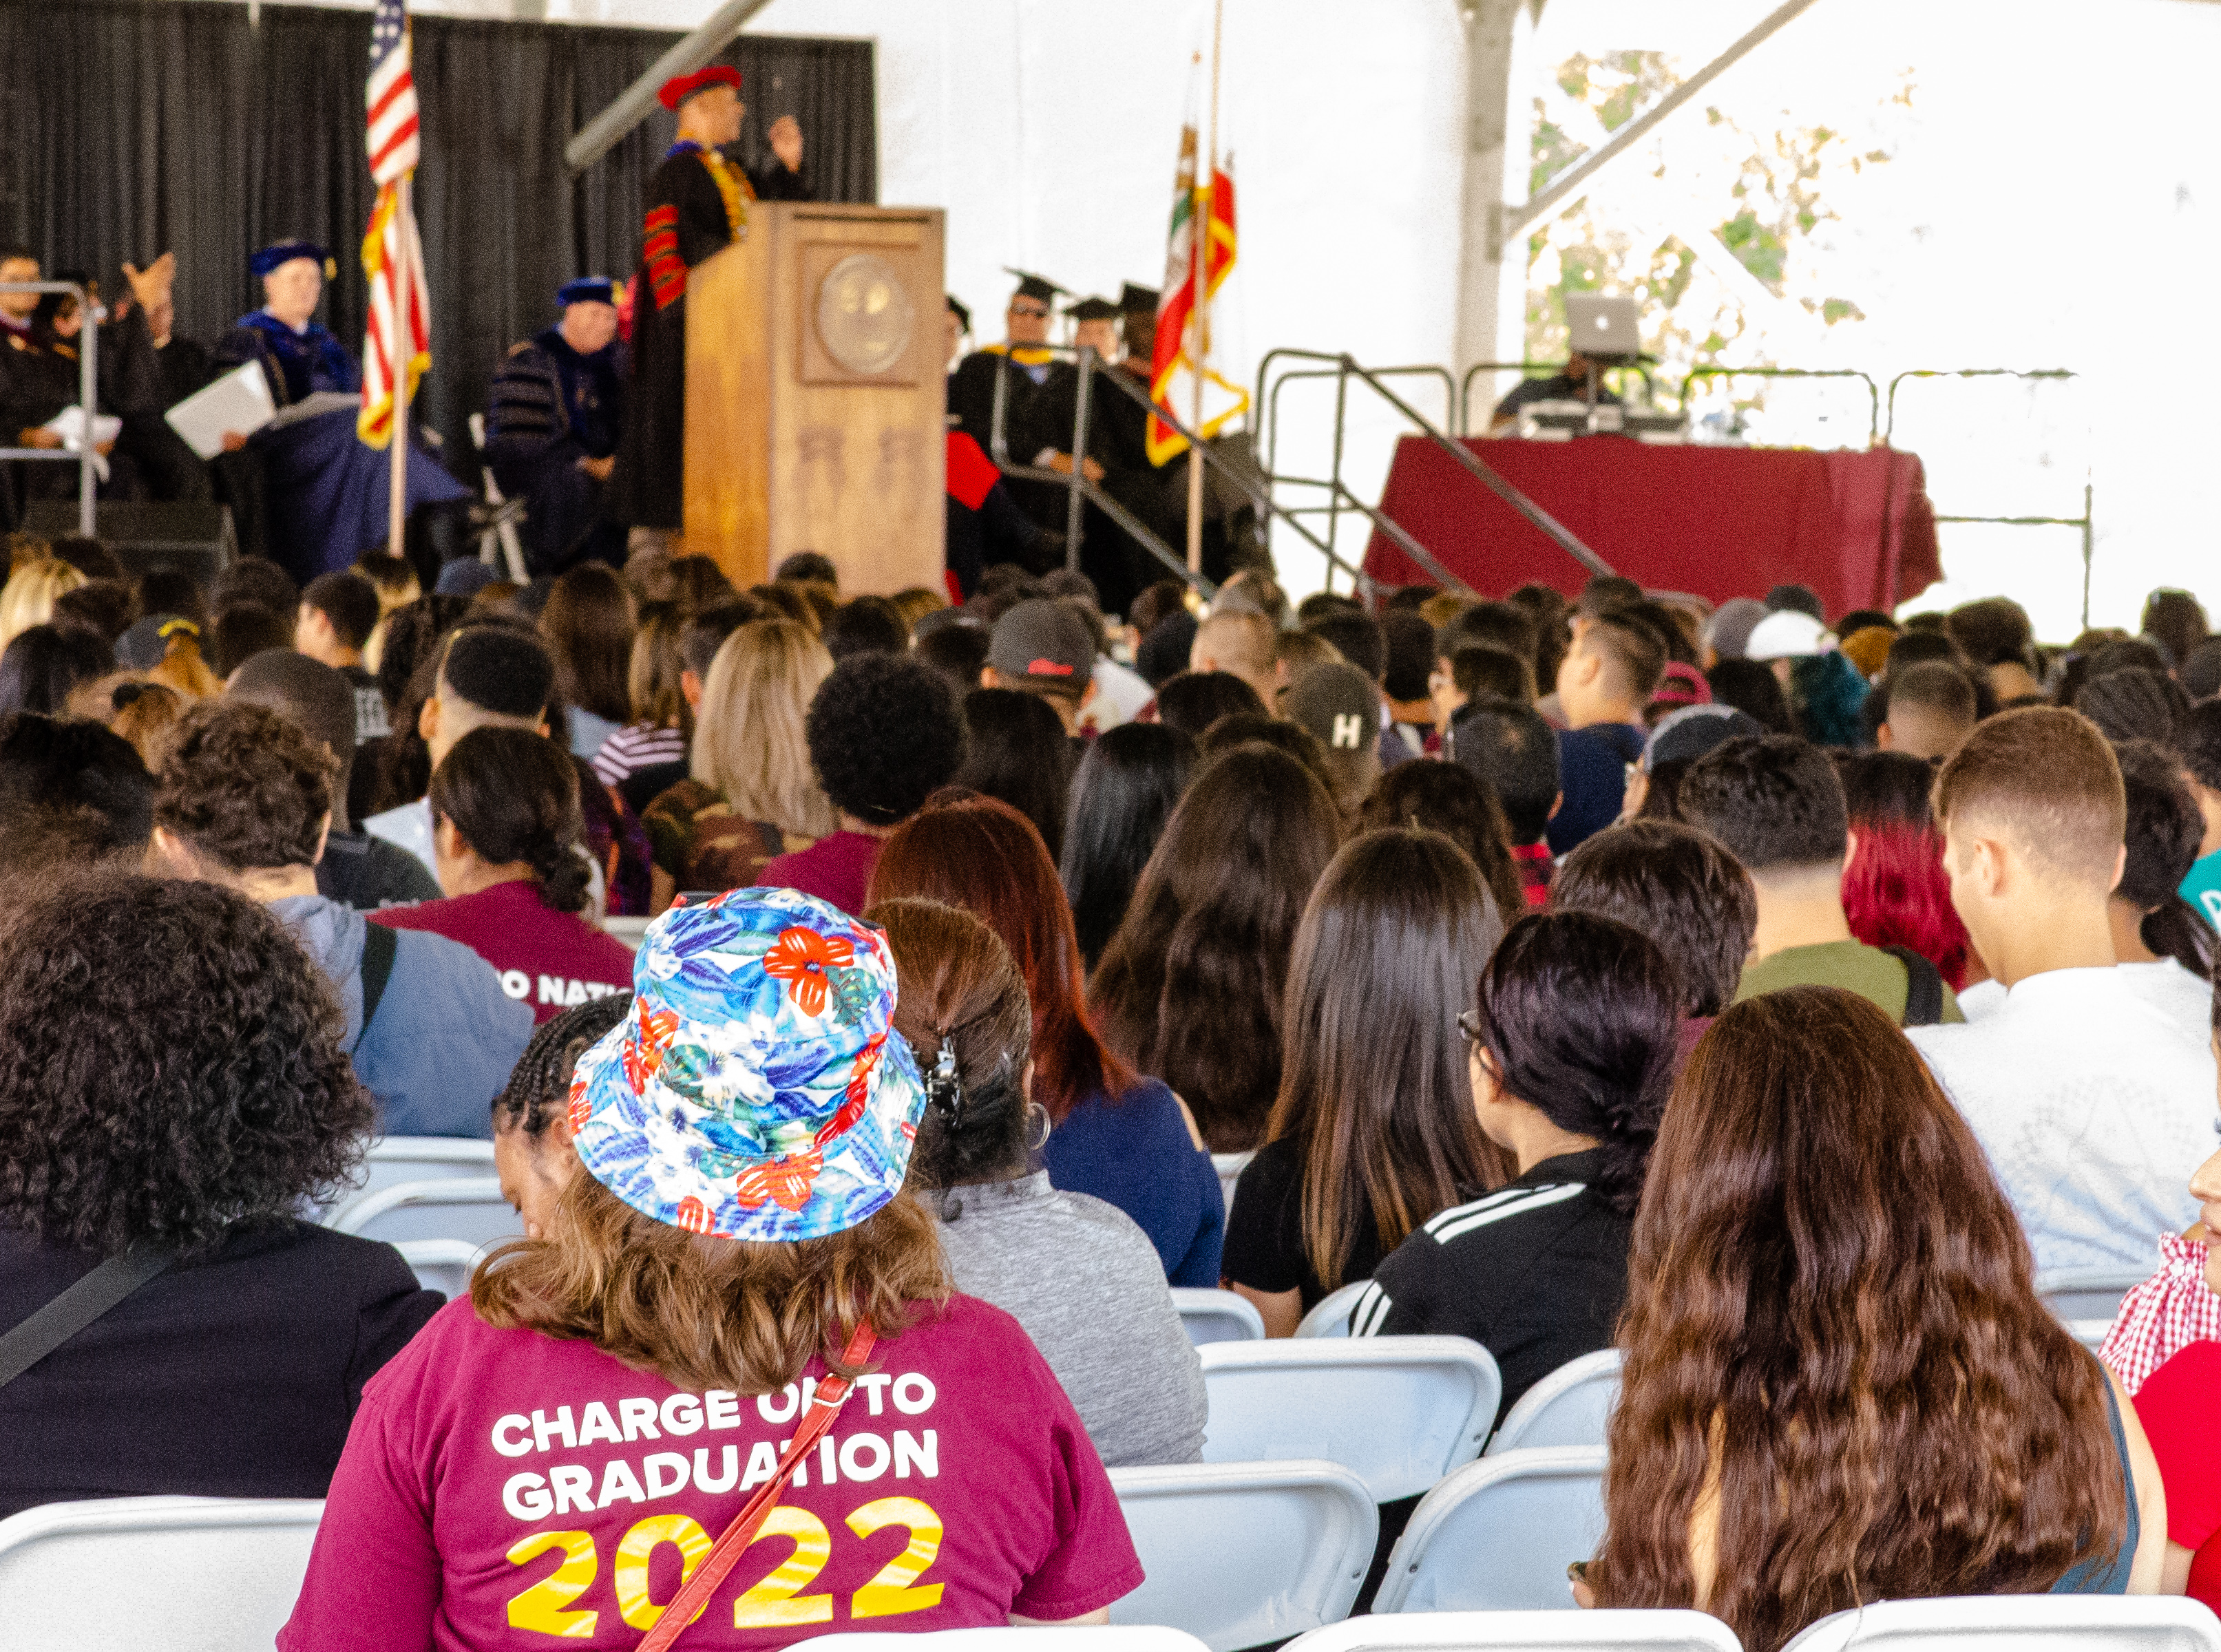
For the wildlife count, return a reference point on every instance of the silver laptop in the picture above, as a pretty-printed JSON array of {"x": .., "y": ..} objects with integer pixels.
[{"x": 1601, "y": 326}]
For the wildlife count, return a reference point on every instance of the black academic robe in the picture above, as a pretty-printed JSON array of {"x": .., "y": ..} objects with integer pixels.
[
  {"x": 186, "y": 369},
  {"x": 149, "y": 460},
  {"x": 684, "y": 222},
  {"x": 1117, "y": 439},
  {"x": 552, "y": 407},
  {"x": 1037, "y": 415}
]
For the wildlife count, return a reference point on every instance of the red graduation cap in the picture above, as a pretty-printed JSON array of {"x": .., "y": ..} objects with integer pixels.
[{"x": 677, "y": 90}]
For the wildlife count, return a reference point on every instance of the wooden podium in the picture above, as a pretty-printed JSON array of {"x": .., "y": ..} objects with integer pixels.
[{"x": 814, "y": 395}]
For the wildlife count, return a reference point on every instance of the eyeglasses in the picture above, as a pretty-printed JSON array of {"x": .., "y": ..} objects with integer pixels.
[
  {"x": 1469, "y": 1024},
  {"x": 1030, "y": 309}
]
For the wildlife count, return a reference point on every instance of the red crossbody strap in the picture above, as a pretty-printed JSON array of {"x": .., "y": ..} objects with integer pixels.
[{"x": 832, "y": 1393}]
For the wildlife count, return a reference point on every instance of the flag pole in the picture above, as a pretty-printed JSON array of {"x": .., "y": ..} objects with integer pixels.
[
  {"x": 403, "y": 353},
  {"x": 1199, "y": 262}
]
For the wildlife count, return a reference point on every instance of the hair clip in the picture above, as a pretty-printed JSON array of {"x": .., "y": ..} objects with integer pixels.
[{"x": 944, "y": 1092}]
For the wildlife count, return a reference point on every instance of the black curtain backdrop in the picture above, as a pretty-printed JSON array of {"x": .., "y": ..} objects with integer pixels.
[{"x": 128, "y": 129}]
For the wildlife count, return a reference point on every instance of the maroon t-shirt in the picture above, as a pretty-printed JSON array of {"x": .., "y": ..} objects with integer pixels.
[
  {"x": 837, "y": 867},
  {"x": 500, "y": 1487},
  {"x": 554, "y": 961}
]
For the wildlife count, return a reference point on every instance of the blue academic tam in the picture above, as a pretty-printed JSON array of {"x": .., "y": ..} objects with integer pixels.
[
  {"x": 587, "y": 290},
  {"x": 285, "y": 252}
]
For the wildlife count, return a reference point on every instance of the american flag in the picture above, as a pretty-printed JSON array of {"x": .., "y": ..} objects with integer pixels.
[{"x": 390, "y": 136}]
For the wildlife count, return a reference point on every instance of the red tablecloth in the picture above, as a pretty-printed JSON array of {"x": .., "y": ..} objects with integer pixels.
[{"x": 1719, "y": 522}]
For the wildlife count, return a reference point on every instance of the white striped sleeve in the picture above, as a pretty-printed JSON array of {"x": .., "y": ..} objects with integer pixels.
[{"x": 1371, "y": 1312}]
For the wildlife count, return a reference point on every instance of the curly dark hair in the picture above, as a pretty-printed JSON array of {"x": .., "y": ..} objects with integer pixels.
[
  {"x": 246, "y": 786},
  {"x": 884, "y": 735},
  {"x": 539, "y": 1083},
  {"x": 176, "y": 1065}
]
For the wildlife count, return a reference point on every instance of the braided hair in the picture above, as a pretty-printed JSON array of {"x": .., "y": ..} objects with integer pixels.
[
  {"x": 962, "y": 1006},
  {"x": 539, "y": 1083},
  {"x": 514, "y": 796}
]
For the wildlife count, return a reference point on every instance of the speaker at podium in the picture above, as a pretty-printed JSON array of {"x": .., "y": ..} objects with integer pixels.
[{"x": 815, "y": 387}]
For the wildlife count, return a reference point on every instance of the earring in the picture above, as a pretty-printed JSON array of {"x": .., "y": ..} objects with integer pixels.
[{"x": 1037, "y": 1115}]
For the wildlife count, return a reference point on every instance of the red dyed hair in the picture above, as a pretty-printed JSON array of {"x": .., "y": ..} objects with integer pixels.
[
  {"x": 1896, "y": 893},
  {"x": 983, "y": 855}
]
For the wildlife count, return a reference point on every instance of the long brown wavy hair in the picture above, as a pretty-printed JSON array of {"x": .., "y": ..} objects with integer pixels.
[
  {"x": 711, "y": 1313},
  {"x": 1828, "y": 1287}
]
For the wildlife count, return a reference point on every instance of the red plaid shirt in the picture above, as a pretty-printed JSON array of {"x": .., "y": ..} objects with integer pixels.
[
  {"x": 1533, "y": 863},
  {"x": 2168, "y": 1312}
]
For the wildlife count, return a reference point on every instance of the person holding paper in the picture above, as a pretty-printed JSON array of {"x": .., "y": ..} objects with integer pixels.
[{"x": 324, "y": 490}]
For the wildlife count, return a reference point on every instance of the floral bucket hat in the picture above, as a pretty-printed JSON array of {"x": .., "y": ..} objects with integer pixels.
[{"x": 754, "y": 1091}]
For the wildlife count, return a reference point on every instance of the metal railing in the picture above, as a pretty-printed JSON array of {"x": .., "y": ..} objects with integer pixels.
[
  {"x": 88, "y": 373},
  {"x": 2086, "y": 522},
  {"x": 1873, "y": 395},
  {"x": 1528, "y": 369},
  {"x": 1340, "y": 496}
]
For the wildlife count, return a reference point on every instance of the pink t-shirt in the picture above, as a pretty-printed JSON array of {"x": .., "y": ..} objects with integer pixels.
[
  {"x": 500, "y": 1487},
  {"x": 837, "y": 867},
  {"x": 552, "y": 961}
]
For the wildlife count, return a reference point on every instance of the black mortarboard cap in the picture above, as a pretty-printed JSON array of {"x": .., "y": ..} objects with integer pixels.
[
  {"x": 1094, "y": 309},
  {"x": 956, "y": 308},
  {"x": 1133, "y": 297},
  {"x": 1036, "y": 286}
]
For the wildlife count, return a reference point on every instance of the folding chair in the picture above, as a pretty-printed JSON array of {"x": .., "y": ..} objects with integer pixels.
[
  {"x": 1400, "y": 1413},
  {"x": 1330, "y": 1317},
  {"x": 2091, "y": 1333},
  {"x": 154, "y": 1574},
  {"x": 2088, "y": 1293},
  {"x": 2083, "y": 1622},
  {"x": 1498, "y": 1535},
  {"x": 1525, "y": 1631},
  {"x": 470, "y": 1209},
  {"x": 631, "y": 930},
  {"x": 441, "y": 1265},
  {"x": 1219, "y": 1316},
  {"x": 393, "y": 1159},
  {"x": 500, "y": 534},
  {"x": 1095, "y": 1638},
  {"x": 1230, "y": 1166},
  {"x": 1571, "y": 1406},
  {"x": 1240, "y": 1553}
]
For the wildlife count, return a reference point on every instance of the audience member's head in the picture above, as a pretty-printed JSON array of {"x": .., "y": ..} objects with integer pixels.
[
  {"x": 1295, "y": 655},
  {"x": 1931, "y": 709},
  {"x": 502, "y": 799},
  {"x": 1575, "y": 1027},
  {"x": 1994, "y": 631},
  {"x": 29, "y": 597},
  {"x": 2151, "y": 919},
  {"x": 1041, "y": 646},
  {"x": 43, "y": 666},
  {"x": 1340, "y": 705},
  {"x": 884, "y": 735},
  {"x": 1751, "y": 688},
  {"x": 1800, "y": 599},
  {"x": 2177, "y": 620},
  {"x": 1408, "y": 661},
  {"x": 2129, "y": 654},
  {"x": 1447, "y": 799},
  {"x": 1156, "y": 604},
  {"x": 192, "y": 1083},
  {"x": 866, "y": 625},
  {"x": 1503, "y": 625},
  {"x": 2198, "y": 743},
  {"x": 750, "y": 747},
  {"x": 488, "y": 676},
  {"x": 1777, "y": 806},
  {"x": 1194, "y": 700},
  {"x": 1482, "y": 671},
  {"x": 1727, "y": 633},
  {"x": 1258, "y": 592},
  {"x": 2033, "y": 817},
  {"x": 394, "y": 578},
  {"x": 811, "y": 567},
  {"x": 413, "y": 635},
  {"x": 317, "y": 700},
  {"x": 173, "y": 591},
  {"x": 532, "y": 1151},
  {"x": 704, "y": 634},
  {"x": 589, "y": 623},
  {"x": 338, "y": 612},
  {"x": 655, "y": 678},
  {"x": 1785, "y": 1323},
  {"x": 105, "y": 607},
  {"x": 243, "y": 630},
  {"x": 72, "y": 795},
  {"x": 982, "y": 856},
  {"x": 1190, "y": 988},
  {"x": 957, "y": 652},
  {"x": 1357, "y": 637},
  {"x": 2134, "y": 704},
  {"x": 244, "y": 790},
  {"x": 1679, "y": 887},
  {"x": 1299, "y": 743},
  {"x": 1896, "y": 890},
  {"x": 1238, "y": 642},
  {"x": 1512, "y": 752},
  {"x": 144, "y": 714},
  {"x": 1374, "y": 1090},
  {"x": 254, "y": 579},
  {"x": 1124, "y": 792},
  {"x": 1016, "y": 749},
  {"x": 89, "y": 557},
  {"x": 1610, "y": 671},
  {"x": 2200, "y": 673}
]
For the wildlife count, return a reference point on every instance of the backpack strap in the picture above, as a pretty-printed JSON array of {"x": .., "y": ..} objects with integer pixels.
[
  {"x": 69, "y": 1313},
  {"x": 1924, "y": 988},
  {"x": 380, "y": 946}
]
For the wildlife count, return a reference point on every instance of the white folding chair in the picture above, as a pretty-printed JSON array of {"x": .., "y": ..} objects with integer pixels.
[
  {"x": 1219, "y": 1316},
  {"x": 1330, "y": 1316},
  {"x": 468, "y": 1209},
  {"x": 393, "y": 1159},
  {"x": 2088, "y": 1293},
  {"x": 1094, "y": 1637},
  {"x": 441, "y": 1265},
  {"x": 1498, "y": 1535},
  {"x": 1230, "y": 1166},
  {"x": 503, "y": 536},
  {"x": 154, "y": 1574},
  {"x": 2091, "y": 1333},
  {"x": 1240, "y": 1553},
  {"x": 1571, "y": 1406},
  {"x": 1400, "y": 1413},
  {"x": 1664, "y": 1630},
  {"x": 2032, "y": 1623},
  {"x": 631, "y": 930}
]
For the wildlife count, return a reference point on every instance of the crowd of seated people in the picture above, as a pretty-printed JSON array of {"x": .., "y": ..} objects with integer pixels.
[{"x": 1776, "y": 999}]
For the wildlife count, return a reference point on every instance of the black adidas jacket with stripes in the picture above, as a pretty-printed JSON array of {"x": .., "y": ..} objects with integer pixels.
[{"x": 1536, "y": 1273}]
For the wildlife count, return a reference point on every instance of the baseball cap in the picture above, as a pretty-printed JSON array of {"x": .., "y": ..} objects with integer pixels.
[
  {"x": 1693, "y": 730},
  {"x": 1727, "y": 633},
  {"x": 147, "y": 644},
  {"x": 1339, "y": 703},
  {"x": 1041, "y": 641},
  {"x": 752, "y": 1092},
  {"x": 1785, "y": 633}
]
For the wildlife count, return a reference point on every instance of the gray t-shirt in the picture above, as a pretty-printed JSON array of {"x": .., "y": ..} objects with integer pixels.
[{"x": 1086, "y": 1284}]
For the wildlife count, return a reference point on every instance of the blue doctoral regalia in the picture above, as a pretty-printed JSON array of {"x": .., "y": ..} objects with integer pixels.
[
  {"x": 327, "y": 491},
  {"x": 550, "y": 408}
]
